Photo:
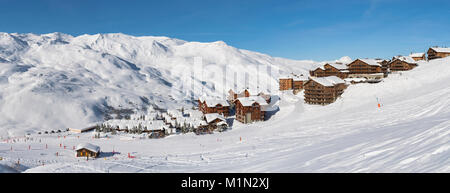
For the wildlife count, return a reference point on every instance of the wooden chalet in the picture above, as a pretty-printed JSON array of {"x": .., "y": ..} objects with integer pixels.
[
  {"x": 87, "y": 150},
  {"x": 250, "y": 109},
  {"x": 402, "y": 63},
  {"x": 417, "y": 56},
  {"x": 213, "y": 121},
  {"x": 365, "y": 66},
  {"x": 294, "y": 82},
  {"x": 438, "y": 52},
  {"x": 331, "y": 69},
  {"x": 214, "y": 106},
  {"x": 323, "y": 90},
  {"x": 286, "y": 83},
  {"x": 157, "y": 133}
]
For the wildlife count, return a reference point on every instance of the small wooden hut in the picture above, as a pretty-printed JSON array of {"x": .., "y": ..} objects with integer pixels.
[{"x": 87, "y": 150}]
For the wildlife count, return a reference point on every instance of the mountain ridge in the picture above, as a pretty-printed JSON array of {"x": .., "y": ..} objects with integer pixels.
[{"x": 91, "y": 73}]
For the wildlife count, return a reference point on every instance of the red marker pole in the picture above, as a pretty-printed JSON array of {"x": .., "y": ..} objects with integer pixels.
[{"x": 29, "y": 147}]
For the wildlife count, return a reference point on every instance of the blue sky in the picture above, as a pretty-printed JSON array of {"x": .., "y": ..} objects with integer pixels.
[{"x": 318, "y": 30}]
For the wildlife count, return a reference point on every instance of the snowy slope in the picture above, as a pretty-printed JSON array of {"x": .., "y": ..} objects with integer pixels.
[
  {"x": 409, "y": 133},
  {"x": 55, "y": 81}
]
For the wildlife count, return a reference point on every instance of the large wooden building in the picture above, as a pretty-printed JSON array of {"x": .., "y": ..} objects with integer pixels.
[
  {"x": 402, "y": 63},
  {"x": 214, "y": 106},
  {"x": 437, "y": 52},
  {"x": 323, "y": 90},
  {"x": 365, "y": 66},
  {"x": 250, "y": 109},
  {"x": 87, "y": 150},
  {"x": 331, "y": 69},
  {"x": 286, "y": 83},
  {"x": 370, "y": 69},
  {"x": 417, "y": 56}
]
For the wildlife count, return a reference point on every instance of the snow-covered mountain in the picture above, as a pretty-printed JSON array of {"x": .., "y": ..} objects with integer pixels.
[{"x": 58, "y": 81}]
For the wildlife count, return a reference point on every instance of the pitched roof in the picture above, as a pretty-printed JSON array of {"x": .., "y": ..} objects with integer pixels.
[
  {"x": 407, "y": 59},
  {"x": 438, "y": 49},
  {"x": 417, "y": 55},
  {"x": 328, "y": 80},
  {"x": 371, "y": 62},
  {"x": 88, "y": 146},
  {"x": 249, "y": 101},
  {"x": 338, "y": 66},
  {"x": 213, "y": 116}
]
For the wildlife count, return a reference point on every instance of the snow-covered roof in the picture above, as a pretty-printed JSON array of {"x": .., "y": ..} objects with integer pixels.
[
  {"x": 407, "y": 59},
  {"x": 248, "y": 101},
  {"x": 215, "y": 102},
  {"x": 416, "y": 55},
  {"x": 438, "y": 49},
  {"x": 338, "y": 66},
  {"x": 371, "y": 62},
  {"x": 213, "y": 116},
  {"x": 88, "y": 146},
  {"x": 328, "y": 80}
]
